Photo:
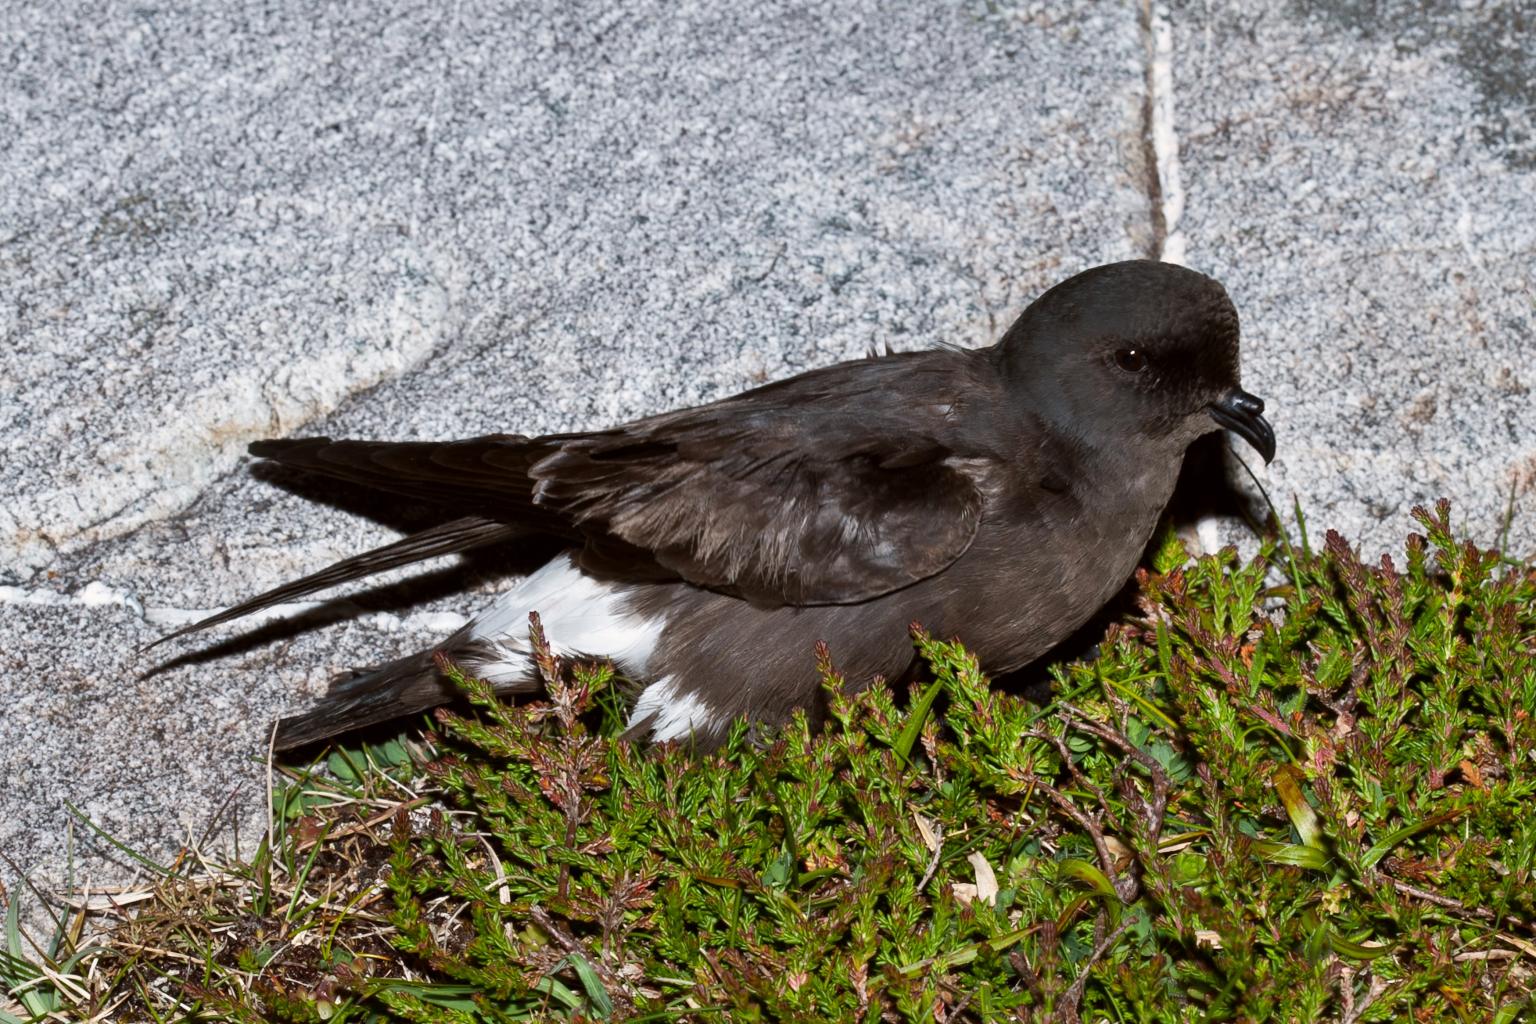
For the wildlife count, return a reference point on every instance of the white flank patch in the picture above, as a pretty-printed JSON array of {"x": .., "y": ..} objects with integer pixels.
[
  {"x": 676, "y": 716},
  {"x": 580, "y": 615}
]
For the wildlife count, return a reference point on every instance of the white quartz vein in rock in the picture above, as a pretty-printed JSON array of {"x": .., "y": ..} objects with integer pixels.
[
  {"x": 97, "y": 594},
  {"x": 1165, "y": 139}
]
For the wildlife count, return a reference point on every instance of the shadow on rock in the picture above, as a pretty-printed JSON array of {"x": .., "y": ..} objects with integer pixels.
[{"x": 493, "y": 562}]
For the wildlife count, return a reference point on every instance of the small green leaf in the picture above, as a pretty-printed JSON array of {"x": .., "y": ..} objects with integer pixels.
[
  {"x": 1382, "y": 848},
  {"x": 1292, "y": 855},
  {"x": 916, "y": 716},
  {"x": 1356, "y": 950},
  {"x": 1302, "y": 816},
  {"x": 592, "y": 985},
  {"x": 1096, "y": 880}
]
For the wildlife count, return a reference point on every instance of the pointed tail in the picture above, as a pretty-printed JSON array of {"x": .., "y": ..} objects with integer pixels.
[{"x": 448, "y": 538}]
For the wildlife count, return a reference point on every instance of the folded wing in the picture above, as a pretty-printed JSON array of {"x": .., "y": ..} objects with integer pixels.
[{"x": 832, "y": 487}]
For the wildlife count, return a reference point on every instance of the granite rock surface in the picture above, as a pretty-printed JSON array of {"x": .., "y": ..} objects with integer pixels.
[{"x": 424, "y": 221}]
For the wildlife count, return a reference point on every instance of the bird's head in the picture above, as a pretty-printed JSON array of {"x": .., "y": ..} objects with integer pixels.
[{"x": 1137, "y": 350}]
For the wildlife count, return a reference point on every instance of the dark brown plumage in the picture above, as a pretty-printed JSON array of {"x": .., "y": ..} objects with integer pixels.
[{"x": 999, "y": 495}]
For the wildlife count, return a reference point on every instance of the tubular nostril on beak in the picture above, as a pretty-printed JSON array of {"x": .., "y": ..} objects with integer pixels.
[
  {"x": 1244, "y": 413},
  {"x": 1250, "y": 405}
]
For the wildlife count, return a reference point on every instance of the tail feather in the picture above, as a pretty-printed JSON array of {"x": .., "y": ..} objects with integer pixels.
[
  {"x": 406, "y": 686},
  {"x": 448, "y": 538},
  {"x": 396, "y": 689},
  {"x": 486, "y": 474}
]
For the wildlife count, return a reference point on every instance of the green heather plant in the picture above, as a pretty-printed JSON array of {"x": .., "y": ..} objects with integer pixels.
[{"x": 1296, "y": 789}]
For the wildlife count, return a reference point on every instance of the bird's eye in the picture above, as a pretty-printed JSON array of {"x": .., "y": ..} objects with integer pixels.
[{"x": 1131, "y": 360}]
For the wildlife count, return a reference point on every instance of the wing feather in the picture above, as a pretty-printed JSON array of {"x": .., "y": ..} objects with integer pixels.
[
  {"x": 832, "y": 487},
  {"x": 819, "y": 491},
  {"x": 448, "y": 538}
]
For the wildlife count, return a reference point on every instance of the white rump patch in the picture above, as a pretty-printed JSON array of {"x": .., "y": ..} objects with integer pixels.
[
  {"x": 676, "y": 716},
  {"x": 581, "y": 616}
]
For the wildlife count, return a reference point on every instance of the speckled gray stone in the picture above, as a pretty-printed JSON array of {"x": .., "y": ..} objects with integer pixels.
[
  {"x": 440, "y": 220},
  {"x": 225, "y": 223},
  {"x": 1363, "y": 179}
]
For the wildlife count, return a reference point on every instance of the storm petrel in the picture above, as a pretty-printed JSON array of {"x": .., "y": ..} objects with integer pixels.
[{"x": 998, "y": 495}]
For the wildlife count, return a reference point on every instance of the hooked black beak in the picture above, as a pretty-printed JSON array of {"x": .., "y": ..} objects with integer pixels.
[{"x": 1243, "y": 414}]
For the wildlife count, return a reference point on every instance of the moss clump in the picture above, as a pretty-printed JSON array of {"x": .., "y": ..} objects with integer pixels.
[{"x": 1258, "y": 802}]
